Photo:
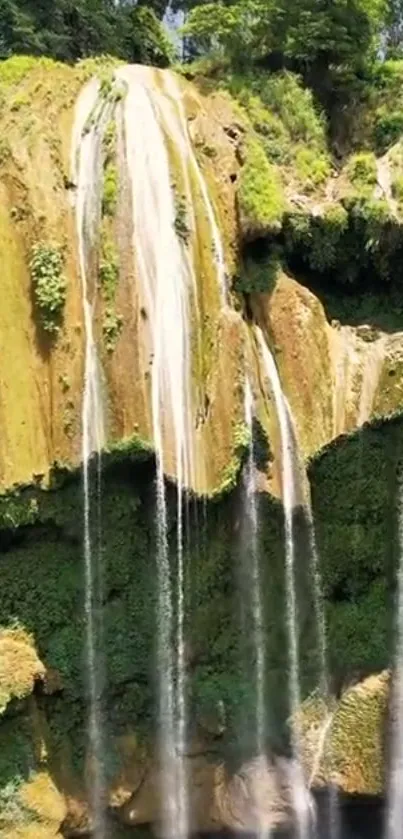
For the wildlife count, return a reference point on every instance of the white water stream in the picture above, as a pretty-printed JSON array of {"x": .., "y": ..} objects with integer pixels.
[
  {"x": 255, "y": 584},
  {"x": 153, "y": 111},
  {"x": 87, "y": 177},
  {"x": 300, "y": 795}
]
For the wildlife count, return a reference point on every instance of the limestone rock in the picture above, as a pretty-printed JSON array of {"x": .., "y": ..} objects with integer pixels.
[
  {"x": 257, "y": 795},
  {"x": 346, "y": 746}
]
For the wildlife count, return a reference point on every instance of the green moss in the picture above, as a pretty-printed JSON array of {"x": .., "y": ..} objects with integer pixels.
[
  {"x": 260, "y": 195},
  {"x": 130, "y": 448}
]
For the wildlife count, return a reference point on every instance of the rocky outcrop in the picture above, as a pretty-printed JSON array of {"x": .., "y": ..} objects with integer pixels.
[
  {"x": 345, "y": 745},
  {"x": 257, "y": 795},
  {"x": 336, "y": 377}
]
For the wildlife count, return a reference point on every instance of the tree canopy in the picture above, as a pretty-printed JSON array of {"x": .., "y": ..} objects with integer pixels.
[
  {"x": 72, "y": 29},
  {"x": 325, "y": 33}
]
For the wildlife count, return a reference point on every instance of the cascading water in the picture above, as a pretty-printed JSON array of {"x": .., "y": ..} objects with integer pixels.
[
  {"x": 153, "y": 111},
  {"x": 251, "y": 517},
  {"x": 300, "y": 796},
  {"x": 172, "y": 89},
  {"x": 86, "y": 168}
]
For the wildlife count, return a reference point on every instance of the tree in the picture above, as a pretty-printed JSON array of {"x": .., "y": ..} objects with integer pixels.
[
  {"x": 72, "y": 29},
  {"x": 143, "y": 39},
  {"x": 306, "y": 33}
]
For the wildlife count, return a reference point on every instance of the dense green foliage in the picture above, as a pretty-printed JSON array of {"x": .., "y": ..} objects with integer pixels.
[
  {"x": 312, "y": 34},
  {"x": 260, "y": 198},
  {"x": 49, "y": 284},
  {"x": 48, "y": 602},
  {"x": 359, "y": 244},
  {"x": 71, "y": 29},
  {"x": 354, "y": 483}
]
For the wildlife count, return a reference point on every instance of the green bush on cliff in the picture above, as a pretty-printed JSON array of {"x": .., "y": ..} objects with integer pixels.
[
  {"x": 110, "y": 190},
  {"x": 283, "y": 114},
  {"x": 258, "y": 275},
  {"x": 110, "y": 182},
  {"x": 181, "y": 223},
  {"x": 312, "y": 169},
  {"x": 361, "y": 169},
  {"x": 319, "y": 237},
  {"x": 112, "y": 325},
  {"x": 260, "y": 195},
  {"x": 109, "y": 269},
  {"x": 49, "y": 284}
]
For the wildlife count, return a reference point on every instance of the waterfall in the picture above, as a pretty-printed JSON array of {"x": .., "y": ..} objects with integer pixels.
[
  {"x": 255, "y": 594},
  {"x": 395, "y": 795},
  {"x": 334, "y": 827},
  {"x": 299, "y": 791},
  {"x": 172, "y": 89},
  {"x": 374, "y": 359},
  {"x": 167, "y": 279},
  {"x": 86, "y": 169}
]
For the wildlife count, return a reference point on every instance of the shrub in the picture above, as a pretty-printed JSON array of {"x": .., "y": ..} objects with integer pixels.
[
  {"x": 111, "y": 328},
  {"x": 260, "y": 195},
  {"x": 397, "y": 188},
  {"x": 388, "y": 129},
  {"x": 181, "y": 221},
  {"x": 274, "y": 135},
  {"x": 285, "y": 95},
  {"x": 361, "y": 168},
  {"x": 110, "y": 184},
  {"x": 110, "y": 190},
  {"x": 326, "y": 235},
  {"x": 312, "y": 168},
  {"x": 258, "y": 275},
  {"x": 109, "y": 270},
  {"x": 49, "y": 284}
]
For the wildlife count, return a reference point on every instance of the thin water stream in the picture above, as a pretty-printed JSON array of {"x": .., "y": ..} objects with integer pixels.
[
  {"x": 87, "y": 176},
  {"x": 299, "y": 792}
]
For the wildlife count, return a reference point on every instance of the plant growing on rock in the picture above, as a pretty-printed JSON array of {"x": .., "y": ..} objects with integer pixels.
[
  {"x": 260, "y": 195},
  {"x": 111, "y": 328},
  {"x": 181, "y": 221},
  {"x": 49, "y": 284},
  {"x": 361, "y": 169}
]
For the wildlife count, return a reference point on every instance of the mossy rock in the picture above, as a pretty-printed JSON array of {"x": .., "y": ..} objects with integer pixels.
[
  {"x": 352, "y": 737},
  {"x": 20, "y": 666}
]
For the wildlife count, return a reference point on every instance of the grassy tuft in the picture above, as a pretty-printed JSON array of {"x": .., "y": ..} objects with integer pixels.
[{"x": 260, "y": 195}]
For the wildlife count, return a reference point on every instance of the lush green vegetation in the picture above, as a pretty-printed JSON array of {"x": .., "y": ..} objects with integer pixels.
[
  {"x": 260, "y": 197},
  {"x": 49, "y": 284},
  {"x": 354, "y": 506},
  {"x": 72, "y": 29}
]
